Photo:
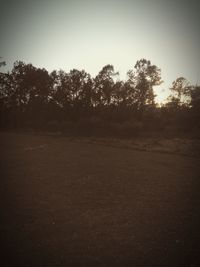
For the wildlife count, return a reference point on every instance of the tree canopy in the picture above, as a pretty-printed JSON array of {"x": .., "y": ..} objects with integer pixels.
[{"x": 31, "y": 96}]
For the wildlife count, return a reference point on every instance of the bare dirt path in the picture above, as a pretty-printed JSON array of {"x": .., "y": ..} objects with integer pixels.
[{"x": 66, "y": 203}]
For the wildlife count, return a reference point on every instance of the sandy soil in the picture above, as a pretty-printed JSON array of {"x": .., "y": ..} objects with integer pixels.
[{"x": 88, "y": 202}]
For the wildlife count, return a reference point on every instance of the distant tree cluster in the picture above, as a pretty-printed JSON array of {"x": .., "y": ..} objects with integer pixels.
[{"x": 74, "y": 102}]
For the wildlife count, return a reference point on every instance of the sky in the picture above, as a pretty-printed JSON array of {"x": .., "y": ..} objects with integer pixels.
[{"x": 88, "y": 34}]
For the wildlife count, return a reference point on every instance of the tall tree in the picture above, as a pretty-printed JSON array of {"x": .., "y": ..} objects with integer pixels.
[
  {"x": 72, "y": 90},
  {"x": 27, "y": 90},
  {"x": 180, "y": 92},
  {"x": 103, "y": 86},
  {"x": 60, "y": 92},
  {"x": 77, "y": 85},
  {"x": 142, "y": 80}
]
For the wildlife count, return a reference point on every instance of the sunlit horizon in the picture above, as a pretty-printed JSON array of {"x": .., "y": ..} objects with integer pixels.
[{"x": 91, "y": 34}]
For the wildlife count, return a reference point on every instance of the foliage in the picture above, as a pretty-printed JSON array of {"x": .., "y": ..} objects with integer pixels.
[
  {"x": 75, "y": 102},
  {"x": 180, "y": 92}
]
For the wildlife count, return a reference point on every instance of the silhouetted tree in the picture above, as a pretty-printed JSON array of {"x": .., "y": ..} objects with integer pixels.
[
  {"x": 27, "y": 91},
  {"x": 72, "y": 91},
  {"x": 141, "y": 82},
  {"x": 119, "y": 94},
  {"x": 103, "y": 86},
  {"x": 77, "y": 85},
  {"x": 60, "y": 92},
  {"x": 180, "y": 92},
  {"x": 30, "y": 96}
]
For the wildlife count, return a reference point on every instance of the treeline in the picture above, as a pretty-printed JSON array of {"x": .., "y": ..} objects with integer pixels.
[{"x": 76, "y": 103}]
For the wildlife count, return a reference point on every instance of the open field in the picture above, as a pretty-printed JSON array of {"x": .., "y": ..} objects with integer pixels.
[{"x": 68, "y": 202}]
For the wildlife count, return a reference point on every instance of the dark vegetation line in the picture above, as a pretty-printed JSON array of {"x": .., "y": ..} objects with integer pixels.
[{"x": 76, "y": 103}]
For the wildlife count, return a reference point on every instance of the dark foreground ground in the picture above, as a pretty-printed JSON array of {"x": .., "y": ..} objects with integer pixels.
[{"x": 67, "y": 203}]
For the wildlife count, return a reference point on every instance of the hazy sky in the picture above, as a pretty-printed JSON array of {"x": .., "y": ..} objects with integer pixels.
[{"x": 88, "y": 34}]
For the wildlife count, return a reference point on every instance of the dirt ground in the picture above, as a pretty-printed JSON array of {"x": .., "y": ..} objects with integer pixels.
[{"x": 69, "y": 202}]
